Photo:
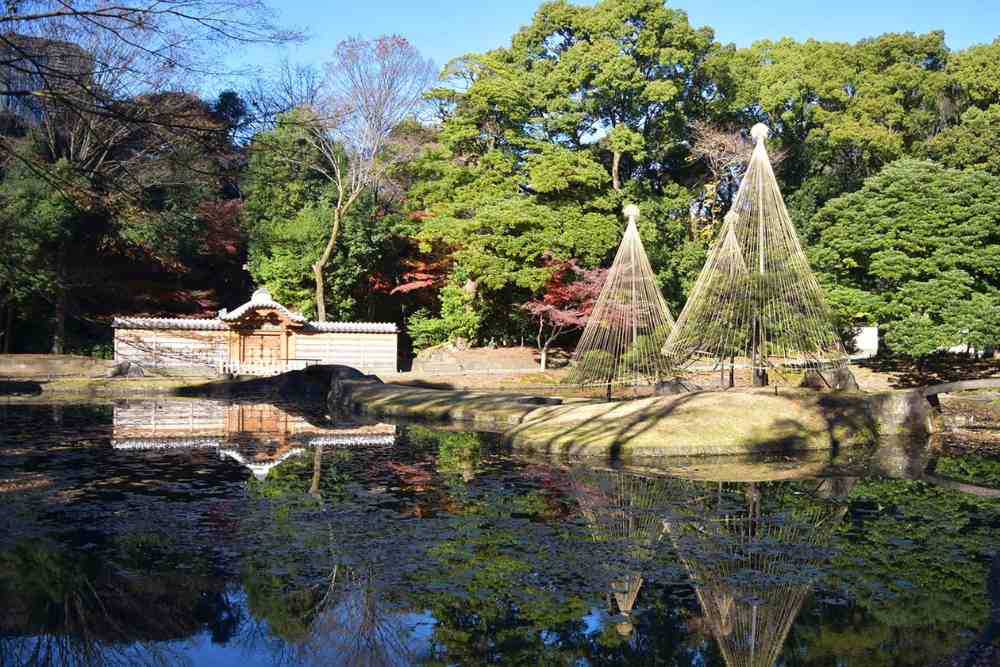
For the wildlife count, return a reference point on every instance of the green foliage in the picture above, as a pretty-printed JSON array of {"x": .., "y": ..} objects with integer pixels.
[
  {"x": 981, "y": 470},
  {"x": 35, "y": 218},
  {"x": 645, "y": 348},
  {"x": 288, "y": 214},
  {"x": 917, "y": 250},
  {"x": 459, "y": 319},
  {"x": 588, "y": 367},
  {"x": 916, "y": 560},
  {"x": 973, "y": 143}
]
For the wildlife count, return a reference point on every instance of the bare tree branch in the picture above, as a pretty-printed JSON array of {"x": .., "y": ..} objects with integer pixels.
[{"x": 371, "y": 90}]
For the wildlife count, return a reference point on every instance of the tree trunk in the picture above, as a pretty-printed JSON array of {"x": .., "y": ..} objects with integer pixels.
[
  {"x": 318, "y": 267},
  {"x": 616, "y": 181},
  {"x": 8, "y": 339},
  {"x": 317, "y": 472},
  {"x": 59, "y": 321},
  {"x": 8, "y": 327},
  {"x": 320, "y": 296},
  {"x": 544, "y": 359}
]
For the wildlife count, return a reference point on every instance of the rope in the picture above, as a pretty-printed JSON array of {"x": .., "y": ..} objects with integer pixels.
[
  {"x": 620, "y": 346},
  {"x": 756, "y": 303}
]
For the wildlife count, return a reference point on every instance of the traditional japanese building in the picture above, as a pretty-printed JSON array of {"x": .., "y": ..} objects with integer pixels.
[{"x": 261, "y": 337}]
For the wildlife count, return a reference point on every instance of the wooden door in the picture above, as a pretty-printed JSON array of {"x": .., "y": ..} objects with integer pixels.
[{"x": 261, "y": 349}]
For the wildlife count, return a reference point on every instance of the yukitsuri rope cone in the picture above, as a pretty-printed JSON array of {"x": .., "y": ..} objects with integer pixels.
[
  {"x": 620, "y": 345},
  {"x": 623, "y": 511},
  {"x": 756, "y": 304},
  {"x": 751, "y": 569}
]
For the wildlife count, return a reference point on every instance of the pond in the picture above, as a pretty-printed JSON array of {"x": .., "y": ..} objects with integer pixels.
[{"x": 178, "y": 532}]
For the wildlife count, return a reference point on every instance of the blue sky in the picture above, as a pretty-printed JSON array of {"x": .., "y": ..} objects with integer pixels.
[{"x": 444, "y": 29}]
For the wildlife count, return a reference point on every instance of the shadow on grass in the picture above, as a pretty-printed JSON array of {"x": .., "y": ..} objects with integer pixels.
[{"x": 936, "y": 369}]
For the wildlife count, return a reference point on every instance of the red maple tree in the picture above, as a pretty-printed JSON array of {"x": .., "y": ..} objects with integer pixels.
[{"x": 566, "y": 302}]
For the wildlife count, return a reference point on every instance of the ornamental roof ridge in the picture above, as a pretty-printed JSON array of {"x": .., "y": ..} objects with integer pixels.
[{"x": 261, "y": 298}]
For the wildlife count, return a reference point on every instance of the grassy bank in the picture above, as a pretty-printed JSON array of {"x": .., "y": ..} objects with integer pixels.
[{"x": 700, "y": 423}]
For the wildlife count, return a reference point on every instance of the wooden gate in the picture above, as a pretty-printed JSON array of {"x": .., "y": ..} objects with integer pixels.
[{"x": 261, "y": 353}]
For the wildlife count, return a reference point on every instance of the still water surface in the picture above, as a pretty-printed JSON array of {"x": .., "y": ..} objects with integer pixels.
[{"x": 205, "y": 533}]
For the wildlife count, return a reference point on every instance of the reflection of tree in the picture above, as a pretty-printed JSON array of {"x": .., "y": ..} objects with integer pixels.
[
  {"x": 343, "y": 615},
  {"x": 752, "y": 564},
  {"x": 915, "y": 560},
  {"x": 356, "y": 622},
  {"x": 61, "y": 610}
]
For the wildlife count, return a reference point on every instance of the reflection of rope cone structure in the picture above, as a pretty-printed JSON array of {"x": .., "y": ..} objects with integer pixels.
[
  {"x": 756, "y": 303},
  {"x": 624, "y": 513},
  {"x": 620, "y": 345},
  {"x": 751, "y": 570},
  {"x": 257, "y": 436}
]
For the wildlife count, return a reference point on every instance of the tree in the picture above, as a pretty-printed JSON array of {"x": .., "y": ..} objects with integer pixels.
[
  {"x": 974, "y": 142},
  {"x": 166, "y": 41},
  {"x": 372, "y": 87},
  {"x": 916, "y": 250},
  {"x": 290, "y": 86},
  {"x": 566, "y": 302},
  {"x": 287, "y": 211},
  {"x": 541, "y": 141},
  {"x": 33, "y": 222}
]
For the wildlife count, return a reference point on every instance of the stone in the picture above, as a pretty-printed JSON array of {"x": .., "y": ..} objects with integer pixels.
[
  {"x": 120, "y": 369},
  {"x": 673, "y": 387},
  {"x": 837, "y": 379}
]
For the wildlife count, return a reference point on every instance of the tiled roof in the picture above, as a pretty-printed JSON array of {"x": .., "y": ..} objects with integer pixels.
[
  {"x": 165, "y": 443},
  {"x": 351, "y": 440},
  {"x": 169, "y": 323},
  {"x": 260, "y": 299},
  {"x": 353, "y": 327},
  {"x": 258, "y": 469},
  {"x": 221, "y": 325}
]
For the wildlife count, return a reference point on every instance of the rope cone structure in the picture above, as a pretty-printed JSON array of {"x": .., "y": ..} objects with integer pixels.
[
  {"x": 752, "y": 572},
  {"x": 620, "y": 345},
  {"x": 623, "y": 512},
  {"x": 756, "y": 303}
]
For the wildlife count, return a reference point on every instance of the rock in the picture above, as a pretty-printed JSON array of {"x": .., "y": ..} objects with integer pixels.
[
  {"x": 135, "y": 371},
  {"x": 339, "y": 376},
  {"x": 837, "y": 379},
  {"x": 674, "y": 386},
  {"x": 120, "y": 369},
  {"x": 539, "y": 400}
]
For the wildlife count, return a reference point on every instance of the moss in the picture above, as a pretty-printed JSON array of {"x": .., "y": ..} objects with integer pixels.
[{"x": 692, "y": 424}]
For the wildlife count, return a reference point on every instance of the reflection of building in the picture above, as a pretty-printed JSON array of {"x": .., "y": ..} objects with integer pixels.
[
  {"x": 261, "y": 337},
  {"x": 258, "y": 436}
]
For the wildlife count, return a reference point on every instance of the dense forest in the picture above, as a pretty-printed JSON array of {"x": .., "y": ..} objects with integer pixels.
[{"x": 450, "y": 198}]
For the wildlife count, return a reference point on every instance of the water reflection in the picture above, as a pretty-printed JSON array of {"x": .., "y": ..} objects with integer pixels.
[
  {"x": 624, "y": 512},
  {"x": 258, "y": 436},
  {"x": 753, "y": 556},
  {"x": 148, "y": 545}
]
